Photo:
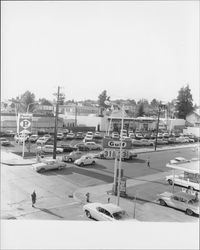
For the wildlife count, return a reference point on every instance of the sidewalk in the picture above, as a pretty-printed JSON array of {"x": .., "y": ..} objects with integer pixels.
[{"x": 12, "y": 159}]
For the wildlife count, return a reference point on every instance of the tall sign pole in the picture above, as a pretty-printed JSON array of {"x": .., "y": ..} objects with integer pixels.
[
  {"x": 120, "y": 159},
  {"x": 56, "y": 124},
  {"x": 24, "y": 127}
]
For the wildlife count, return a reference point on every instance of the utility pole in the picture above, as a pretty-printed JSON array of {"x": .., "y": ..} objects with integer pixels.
[
  {"x": 56, "y": 124},
  {"x": 75, "y": 114},
  {"x": 157, "y": 127}
]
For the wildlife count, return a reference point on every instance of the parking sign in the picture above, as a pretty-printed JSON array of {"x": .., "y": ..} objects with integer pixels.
[{"x": 24, "y": 123}]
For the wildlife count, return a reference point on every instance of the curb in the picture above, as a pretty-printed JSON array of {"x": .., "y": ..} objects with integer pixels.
[{"x": 17, "y": 164}]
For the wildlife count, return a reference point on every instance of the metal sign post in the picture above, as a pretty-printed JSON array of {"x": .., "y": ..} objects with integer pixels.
[{"x": 24, "y": 127}]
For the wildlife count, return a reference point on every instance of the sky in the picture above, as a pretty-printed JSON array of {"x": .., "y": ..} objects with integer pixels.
[{"x": 132, "y": 49}]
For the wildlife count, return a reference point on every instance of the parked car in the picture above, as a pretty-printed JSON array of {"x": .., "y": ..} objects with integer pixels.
[
  {"x": 72, "y": 156},
  {"x": 93, "y": 146},
  {"x": 181, "y": 200},
  {"x": 49, "y": 149},
  {"x": 145, "y": 142},
  {"x": 132, "y": 135},
  {"x": 138, "y": 136},
  {"x": 20, "y": 138},
  {"x": 107, "y": 137},
  {"x": 115, "y": 135},
  {"x": 68, "y": 147},
  {"x": 178, "y": 160},
  {"x": 42, "y": 140},
  {"x": 60, "y": 136},
  {"x": 90, "y": 133},
  {"x": 181, "y": 139},
  {"x": 4, "y": 142},
  {"x": 160, "y": 135},
  {"x": 166, "y": 135},
  {"x": 48, "y": 165},
  {"x": 47, "y": 136},
  {"x": 85, "y": 160},
  {"x": 161, "y": 141},
  {"x": 136, "y": 142},
  {"x": 33, "y": 138},
  {"x": 147, "y": 136},
  {"x": 79, "y": 135},
  {"x": 171, "y": 140},
  {"x": 88, "y": 138},
  {"x": 105, "y": 212},
  {"x": 97, "y": 135},
  {"x": 189, "y": 139},
  {"x": 9, "y": 133},
  {"x": 82, "y": 147},
  {"x": 70, "y": 136}
]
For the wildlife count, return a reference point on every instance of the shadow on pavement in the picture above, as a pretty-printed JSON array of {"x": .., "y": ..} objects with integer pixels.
[
  {"x": 49, "y": 212},
  {"x": 82, "y": 171}
]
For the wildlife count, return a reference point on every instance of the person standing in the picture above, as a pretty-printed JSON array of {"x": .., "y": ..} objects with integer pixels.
[{"x": 33, "y": 198}]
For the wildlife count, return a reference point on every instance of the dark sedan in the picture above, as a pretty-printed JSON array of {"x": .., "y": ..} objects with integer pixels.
[{"x": 68, "y": 148}]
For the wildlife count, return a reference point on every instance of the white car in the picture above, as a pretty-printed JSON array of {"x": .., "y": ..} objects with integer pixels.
[
  {"x": 178, "y": 160},
  {"x": 48, "y": 165},
  {"x": 4, "y": 142},
  {"x": 42, "y": 140},
  {"x": 181, "y": 200},
  {"x": 49, "y": 149},
  {"x": 181, "y": 139},
  {"x": 73, "y": 156},
  {"x": 70, "y": 136},
  {"x": 33, "y": 138},
  {"x": 105, "y": 212},
  {"x": 115, "y": 135},
  {"x": 60, "y": 136},
  {"x": 145, "y": 142},
  {"x": 88, "y": 138},
  {"x": 181, "y": 180},
  {"x": 97, "y": 135},
  {"x": 85, "y": 160},
  {"x": 93, "y": 146}
]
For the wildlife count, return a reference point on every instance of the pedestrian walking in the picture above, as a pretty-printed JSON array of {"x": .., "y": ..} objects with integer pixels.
[
  {"x": 33, "y": 198},
  {"x": 148, "y": 163},
  {"x": 87, "y": 197}
]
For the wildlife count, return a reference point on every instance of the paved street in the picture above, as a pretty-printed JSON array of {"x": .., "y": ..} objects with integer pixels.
[{"x": 55, "y": 188}]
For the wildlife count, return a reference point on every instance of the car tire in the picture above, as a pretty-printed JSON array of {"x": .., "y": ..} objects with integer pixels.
[
  {"x": 162, "y": 202},
  {"x": 88, "y": 214},
  {"x": 93, "y": 162},
  {"x": 189, "y": 212},
  {"x": 70, "y": 159},
  {"x": 42, "y": 170},
  {"x": 170, "y": 182},
  {"x": 82, "y": 164}
]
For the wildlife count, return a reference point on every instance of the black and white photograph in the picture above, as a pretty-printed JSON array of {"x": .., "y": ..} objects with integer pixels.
[{"x": 100, "y": 125}]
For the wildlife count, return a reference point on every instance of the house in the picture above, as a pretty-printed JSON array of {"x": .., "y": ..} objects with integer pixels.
[{"x": 194, "y": 118}]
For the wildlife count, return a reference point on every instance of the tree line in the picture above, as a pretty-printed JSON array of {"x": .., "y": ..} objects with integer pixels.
[{"x": 180, "y": 107}]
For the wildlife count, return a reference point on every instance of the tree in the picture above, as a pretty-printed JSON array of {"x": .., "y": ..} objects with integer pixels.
[
  {"x": 26, "y": 99},
  {"x": 44, "y": 101},
  {"x": 184, "y": 103},
  {"x": 140, "y": 111},
  {"x": 102, "y": 98},
  {"x": 154, "y": 103}
]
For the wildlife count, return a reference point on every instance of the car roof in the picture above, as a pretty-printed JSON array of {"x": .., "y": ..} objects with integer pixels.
[{"x": 112, "y": 208}]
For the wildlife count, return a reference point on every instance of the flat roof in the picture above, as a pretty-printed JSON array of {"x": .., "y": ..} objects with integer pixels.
[{"x": 191, "y": 166}]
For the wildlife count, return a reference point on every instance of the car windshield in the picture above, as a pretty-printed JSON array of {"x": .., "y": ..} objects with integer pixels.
[{"x": 120, "y": 215}]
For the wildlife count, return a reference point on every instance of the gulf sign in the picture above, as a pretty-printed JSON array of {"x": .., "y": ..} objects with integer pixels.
[{"x": 115, "y": 144}]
